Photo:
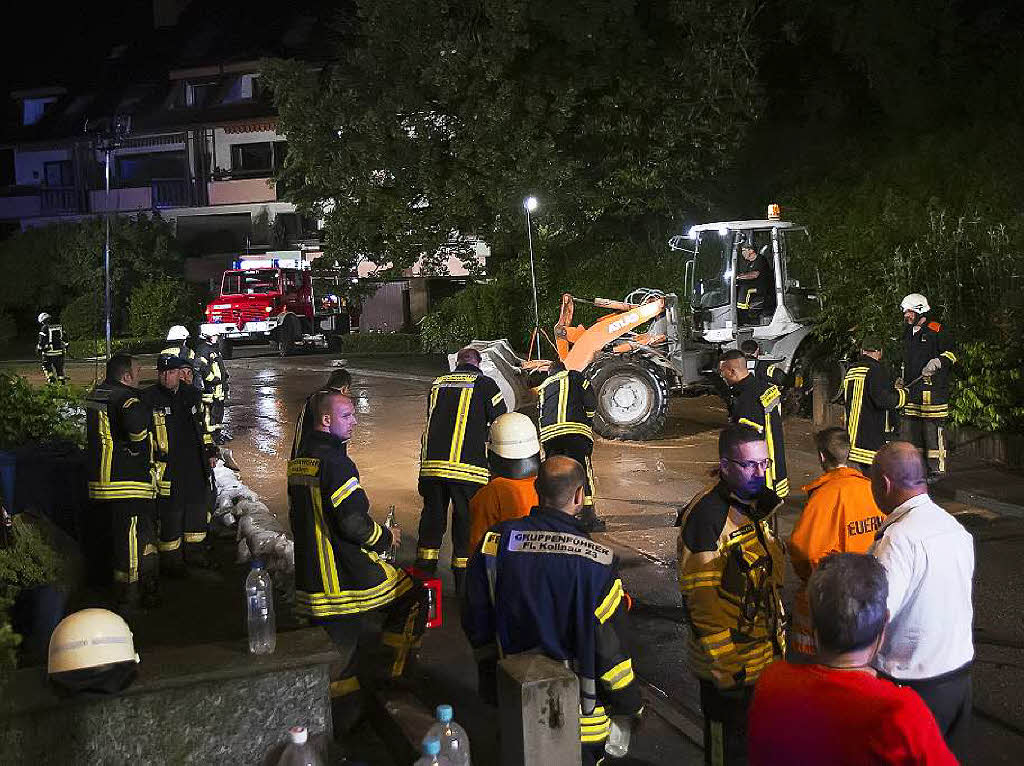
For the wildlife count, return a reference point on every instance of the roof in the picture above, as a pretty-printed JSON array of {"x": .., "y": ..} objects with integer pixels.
[{"x": 744, "y": 225}]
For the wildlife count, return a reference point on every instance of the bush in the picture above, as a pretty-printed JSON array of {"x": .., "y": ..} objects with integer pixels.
[
  {"x": 87, "y": 348},
  {"x": 8, "y": 328},
  {"x": 157, "y": 304},
  {"x": 83, "y": 317},
  {"x": 32, "y": 415},
  {"x": 988, "y": 391},
  {"x": 379, "y": 342}
]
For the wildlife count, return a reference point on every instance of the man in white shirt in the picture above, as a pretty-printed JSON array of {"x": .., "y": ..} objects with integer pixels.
[{"x": 929, "y": 560}]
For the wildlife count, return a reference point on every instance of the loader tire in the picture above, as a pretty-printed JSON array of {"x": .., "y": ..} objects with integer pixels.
[{"x": 632, "y": 400}]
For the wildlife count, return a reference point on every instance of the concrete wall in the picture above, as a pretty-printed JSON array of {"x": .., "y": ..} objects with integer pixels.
[
  {"x": 222, "y": 142},
  {"x": 242, "y": 191},
  {"x": 137, "y": 198},
  {"x": 24, "y": 206}
]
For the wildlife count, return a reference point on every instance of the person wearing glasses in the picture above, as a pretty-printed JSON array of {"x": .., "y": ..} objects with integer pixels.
[{"x": 731, "y": 568}]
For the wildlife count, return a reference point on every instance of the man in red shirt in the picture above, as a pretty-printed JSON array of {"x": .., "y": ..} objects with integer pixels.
[{"x": 838, "y": 712}]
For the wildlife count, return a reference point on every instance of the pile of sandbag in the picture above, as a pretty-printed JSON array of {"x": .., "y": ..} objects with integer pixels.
[{"x": 260, "y": 533}]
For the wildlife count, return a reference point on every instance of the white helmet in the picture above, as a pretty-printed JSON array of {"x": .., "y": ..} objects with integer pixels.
[
  {"x": 90, "y": 638},
  {"x": 915, "y": 302},
  {"x": 43, "y": 317},
  {"x": 178, "y": 332},
  {"x": 513, "y": 437}
]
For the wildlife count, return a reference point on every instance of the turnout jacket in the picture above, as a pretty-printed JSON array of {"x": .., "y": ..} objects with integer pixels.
[
  {"x": 118, "y": 449},
  {"x": 730, "y": 575},
  {"x": 338, "y": 569},
  {"x": 181, "y": 444},
  {"x": 757, "y": 403},
  {"x": 929, "y": 397},
  {"x": 210, "y": 370},
  {"x": 540, "y": 584},
  {"x": 461, "y": 407},
  {"x": 869, "y": 395},
  {"x": 51, "y": 340},
  {"x": 567, "y": 406}
]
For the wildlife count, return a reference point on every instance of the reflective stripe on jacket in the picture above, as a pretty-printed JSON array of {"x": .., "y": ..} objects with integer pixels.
[
  {"x": 567, "y": 405},
  {"x": 118, "y": 446}
]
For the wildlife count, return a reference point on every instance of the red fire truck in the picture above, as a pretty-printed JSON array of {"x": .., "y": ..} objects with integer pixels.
[{"x": 277, "y": 299}]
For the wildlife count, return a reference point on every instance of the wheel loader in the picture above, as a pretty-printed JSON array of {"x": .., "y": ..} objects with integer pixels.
[{"x": 653, "y": 344}]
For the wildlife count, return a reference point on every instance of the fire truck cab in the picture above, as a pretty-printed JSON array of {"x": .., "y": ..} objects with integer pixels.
[{"x": 277, "y": 300}]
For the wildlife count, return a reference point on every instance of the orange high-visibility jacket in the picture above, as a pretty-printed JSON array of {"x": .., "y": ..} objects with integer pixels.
[
  {"x": 501, "y": 499},
  {"x": 840, "y": 517}
]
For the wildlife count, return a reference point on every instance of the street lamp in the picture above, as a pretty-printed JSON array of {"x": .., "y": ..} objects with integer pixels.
[{"x": 530, "y": 205}]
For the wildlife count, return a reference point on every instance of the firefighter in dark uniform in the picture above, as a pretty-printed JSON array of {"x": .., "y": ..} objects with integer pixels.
[
  {"x": 870, "y": 399},
  {"x": 540, "y": 584},
  {"x": 340, "y": 381},
  {"x": 731, "y": 568},
  {"x": 755, "y": 288},
  {"x": 772, "y": 372},
  {"x": 185, "y": 454},
  {"x": 121, "y": 481},
  {"x": 453, "y": 458},
  {"x": 211, "y": 368},
  {"x": 341, "y": 581},
  {"x": 567, "y": 406},
  {"x": 51, "y": 347},
  {"x": 757, "y": 403},
  {"x": 927, "y": 361}
]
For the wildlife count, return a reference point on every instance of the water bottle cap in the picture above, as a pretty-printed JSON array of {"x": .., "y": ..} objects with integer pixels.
[
  {"x": 256, "y": 564},
  {"x": 431, "y": 746},
  {"x": 298, "y": 735},
  {"x": 444, "y": 713}
]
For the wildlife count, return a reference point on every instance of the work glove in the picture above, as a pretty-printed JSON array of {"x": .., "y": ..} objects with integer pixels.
[{"x": 933, "y": 366}]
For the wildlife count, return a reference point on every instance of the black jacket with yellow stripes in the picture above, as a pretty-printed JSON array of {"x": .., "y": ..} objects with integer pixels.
[
  {"x": 567, "y": 405},
  {"x": 870, "y": 396},
  {"x": 461, "y": 407},
  {"x": 731, "y": 570},
  {"x": 211, "y": 370},
  {"x": 338, "y": 569},
  {"x": 540, "y": 584},
  {"x": 757, "y": 402},
  {"x": 929, "y": 397},
  {"x": 118, "y": 450},
  {"x": 171, "y": 411}
]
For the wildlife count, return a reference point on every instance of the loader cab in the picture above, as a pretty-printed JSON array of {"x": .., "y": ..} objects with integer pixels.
[{"x": 725, "y": 303}]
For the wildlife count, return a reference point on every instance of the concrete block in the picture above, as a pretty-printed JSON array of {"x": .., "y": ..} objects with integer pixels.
[{"x": 538, "y": 708}]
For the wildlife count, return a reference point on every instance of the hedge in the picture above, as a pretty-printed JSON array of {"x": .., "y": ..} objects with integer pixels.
[
  {"x": 82, "y": 348},
  {"x": 379, "y": 342}
]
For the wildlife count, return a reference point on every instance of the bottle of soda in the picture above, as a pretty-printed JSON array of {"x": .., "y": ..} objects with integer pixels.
[
  {"x": 391, "y": 522},
  {"x": 453, "y": 738},
  {"x": 259, "y": 596}
]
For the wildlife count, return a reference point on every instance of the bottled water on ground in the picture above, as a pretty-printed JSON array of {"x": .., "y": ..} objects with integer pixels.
[
  {"x": 432, "y": 754},
  {"x": 300, "y": 751},
  {"x": 259, "y": 596},
  {"x": 453, "y": 738},
  {"x": 617, "y": 744}
]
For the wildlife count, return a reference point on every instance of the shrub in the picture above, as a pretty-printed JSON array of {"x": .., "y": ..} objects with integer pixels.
[
  {"x": 8, "y": 329},
  {"x": 157, "y": 304},
  {"x": 31, "y": 415},
  {"x": 87, "y": 348},
  {"x": 379, "y": 342},
  {"x": 83, "y": 317}
]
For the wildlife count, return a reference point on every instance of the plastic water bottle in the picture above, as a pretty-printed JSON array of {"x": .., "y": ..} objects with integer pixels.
[
  {"x": 299, "y": 751},
  {"x": 432, "y": 754},
  {"x": 259, "y": 596},
  {"x": 391, "y": 554},
  {"x": 617, "y": 744},
  {"x": 453, "y": 738}
]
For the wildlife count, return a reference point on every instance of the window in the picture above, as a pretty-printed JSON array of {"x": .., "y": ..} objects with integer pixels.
[
  {"x": 197, "y": 94},
  {"x": 249, "y": 282},
  {"x": 58, "y": 173},
  {"x": 290, "y": 280},
  {"x": 141, "y": 169},
  {"x": 241, "y": 88},
  {"x": 259, "y": 158},
  {"x": 33, "y": 109}
]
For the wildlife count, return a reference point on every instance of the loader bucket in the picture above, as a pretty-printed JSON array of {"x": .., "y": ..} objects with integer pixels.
[{"x": 500, "y": 363}]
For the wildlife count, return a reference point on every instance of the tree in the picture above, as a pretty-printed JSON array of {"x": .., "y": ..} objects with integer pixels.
[{"x": 435, "y": 118}]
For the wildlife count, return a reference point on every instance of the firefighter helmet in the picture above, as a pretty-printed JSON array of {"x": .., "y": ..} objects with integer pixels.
[
  {"x": 915, "y": 302},
  {"x": 178, "y": 332},
  {"x": 514, "y": 437},
  {"x": 90, "y": 638},
  {"x": 43, "y": 317}
]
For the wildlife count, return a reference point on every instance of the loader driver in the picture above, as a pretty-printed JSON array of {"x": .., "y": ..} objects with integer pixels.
[{"x": 754, "y": 285}]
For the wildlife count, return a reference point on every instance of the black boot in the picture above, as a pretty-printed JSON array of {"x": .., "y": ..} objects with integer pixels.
[
  {"x": 126, "y": 599},
  {"x": 151, "y": 598},
  {"x": 172, "y": 565}
]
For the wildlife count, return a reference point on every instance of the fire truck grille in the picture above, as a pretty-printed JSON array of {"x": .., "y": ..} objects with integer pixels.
[{"x": 251, "y": 315}]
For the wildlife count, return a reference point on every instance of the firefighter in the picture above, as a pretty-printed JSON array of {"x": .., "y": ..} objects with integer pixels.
[
  {"x": 340, "y": 578},
  {"x": 567, "y": 406},
  {"x": 755, "y": 291},
  {"x": 870, "y": 399},
  {"x": 51, "y": 347},
  {"x": 340, "y": 381},
  {"x": 453, "y": 458},
  {"x": 541, "y": 584},
  {"x": 927, "y": 360},
  {"x": 210, "y": 365},
  {"x": 731, "y": 568},
  {"x": 185, "y": 454},
  {"x": 757, "y": 403},
  {"x": 772, "y": 372},
  {"x": 121, "y": 481}
]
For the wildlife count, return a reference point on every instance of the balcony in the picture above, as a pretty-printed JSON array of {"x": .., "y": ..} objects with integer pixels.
[
  {"x": 242, "y": 191},
  {"x": 19, "y": 202},
  {"x": 121, "y": 200},
  {"x": 173, "y": 192},
  {"x": 59, "y": 200}
]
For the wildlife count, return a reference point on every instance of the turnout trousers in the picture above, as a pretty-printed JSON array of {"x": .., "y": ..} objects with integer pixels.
[
  {"x": 928, "y": 435},
  {"x": 580, "y": 449},
  {"x": 437, "y": 495},
  {"x": 53, "y": 368},
  {"x": 375, "y": 647},
  {"x": 725, "y": 723},
  {"x": 134, "y": 541},
  {"x": 182, "y": 526}
]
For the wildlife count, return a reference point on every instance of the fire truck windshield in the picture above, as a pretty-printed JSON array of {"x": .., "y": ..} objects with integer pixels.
[{"x": 249, "y": 282}]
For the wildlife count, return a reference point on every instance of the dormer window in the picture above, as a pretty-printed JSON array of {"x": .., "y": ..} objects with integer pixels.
[{"x": 33, "y": 109}]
